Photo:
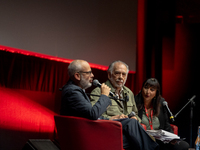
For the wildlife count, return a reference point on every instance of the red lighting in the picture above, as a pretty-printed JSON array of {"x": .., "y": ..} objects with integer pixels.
[
  {"x": 44, "y": 56},
  {"x": 179, "y": 16},
  {"x": 21, "y": 112}
]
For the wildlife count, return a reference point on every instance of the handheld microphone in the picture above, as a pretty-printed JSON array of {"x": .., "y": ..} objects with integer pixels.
[
  {"x": 171, "y": 115},
  {"x": 96, "y": 83},
  {"x": 132, "y": 114}
]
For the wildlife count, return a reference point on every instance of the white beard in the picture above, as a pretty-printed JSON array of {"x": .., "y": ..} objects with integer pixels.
[
  {"x": 84, "y": 83},
  {"x": 115, "y": 84}
]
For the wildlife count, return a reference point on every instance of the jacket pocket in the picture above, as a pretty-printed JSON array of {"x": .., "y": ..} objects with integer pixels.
[
  {"x": 114, "y": 109},
  {"x": 129, "y": 107}
]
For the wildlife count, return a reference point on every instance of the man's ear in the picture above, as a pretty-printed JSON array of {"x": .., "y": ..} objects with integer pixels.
[
  {"x": 109, "y": 75},
  {"x": 77, "y": 76}
]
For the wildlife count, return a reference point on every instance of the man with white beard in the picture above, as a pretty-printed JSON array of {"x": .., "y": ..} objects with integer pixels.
[
  {"x": 117, "y": 75},
  {"x": 75, "y": 102}
]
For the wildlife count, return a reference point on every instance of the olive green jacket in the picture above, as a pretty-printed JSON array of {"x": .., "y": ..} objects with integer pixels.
[{"x": 117, "y": 108}]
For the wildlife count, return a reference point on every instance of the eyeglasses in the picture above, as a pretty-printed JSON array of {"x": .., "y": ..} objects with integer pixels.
[{"x": 87, "y": 72}]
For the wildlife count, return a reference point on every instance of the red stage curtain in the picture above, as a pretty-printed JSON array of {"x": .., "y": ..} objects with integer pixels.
[{"x": 33, "y": 73}]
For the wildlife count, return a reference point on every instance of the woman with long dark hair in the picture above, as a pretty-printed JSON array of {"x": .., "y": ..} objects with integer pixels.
[{"x": 154, "y": 115}]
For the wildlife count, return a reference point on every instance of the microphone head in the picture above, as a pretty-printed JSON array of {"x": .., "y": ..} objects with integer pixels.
[
  {"x": 96, "y": 83},
  {"x": 164, "y": 103},
  {"x": 132, "y": 114}
]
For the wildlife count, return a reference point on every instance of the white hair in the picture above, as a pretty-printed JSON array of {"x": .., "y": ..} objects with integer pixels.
[{"x": 111, "y": 67}]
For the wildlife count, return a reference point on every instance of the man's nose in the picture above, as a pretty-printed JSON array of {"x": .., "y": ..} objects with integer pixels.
[
  {"x": 92, "y": 75},
  {"x": 120, "y": 75}
]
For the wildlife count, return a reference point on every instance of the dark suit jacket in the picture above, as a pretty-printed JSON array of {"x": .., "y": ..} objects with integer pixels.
[
  {"x": 163, "y": 116},
  {"x": 75, "y": 102}
]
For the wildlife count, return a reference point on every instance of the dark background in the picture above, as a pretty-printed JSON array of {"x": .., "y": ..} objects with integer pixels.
[{"x": 91, "y": 30}]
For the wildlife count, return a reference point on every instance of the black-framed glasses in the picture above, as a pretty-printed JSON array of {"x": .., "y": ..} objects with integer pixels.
[{"x": 86, "y": 72}]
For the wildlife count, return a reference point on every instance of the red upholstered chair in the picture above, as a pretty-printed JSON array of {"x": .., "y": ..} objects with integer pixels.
[
  {"x": 174, "y": 128},
  {"x": 144, "y": 126},
  {"x": 79, "y": 133}
]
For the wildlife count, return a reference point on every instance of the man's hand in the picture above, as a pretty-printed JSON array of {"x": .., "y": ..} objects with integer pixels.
[
  {"x": 105, "y": 90},
  {"x": 134, "y": 118},
  {"x": 118, "y": 117}
]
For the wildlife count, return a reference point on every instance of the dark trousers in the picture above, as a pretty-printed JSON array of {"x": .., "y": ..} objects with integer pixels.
[
  {"x": 179, "y": 145},
  {"x": 135, "y": 137}
]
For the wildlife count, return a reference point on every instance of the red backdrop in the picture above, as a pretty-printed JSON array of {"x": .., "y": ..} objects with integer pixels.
[{"x": 30, "y": 96}]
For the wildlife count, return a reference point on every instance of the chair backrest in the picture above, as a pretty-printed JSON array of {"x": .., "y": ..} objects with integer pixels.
[
  {"x": 75, "y": 133},
  {"x": 174, "y": 128}
]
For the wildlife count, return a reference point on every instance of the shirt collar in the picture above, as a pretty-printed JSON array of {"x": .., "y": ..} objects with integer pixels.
[{"x": 120, "y": 95}]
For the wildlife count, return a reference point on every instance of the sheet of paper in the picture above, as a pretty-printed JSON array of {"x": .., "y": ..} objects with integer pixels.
[{"x": 163, "y": 135}]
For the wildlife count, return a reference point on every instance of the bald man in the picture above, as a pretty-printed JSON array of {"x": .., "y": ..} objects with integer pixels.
[{"x": 75, "y": 102}]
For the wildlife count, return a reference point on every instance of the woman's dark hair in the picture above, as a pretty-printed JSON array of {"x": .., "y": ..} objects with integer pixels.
[{"x": 152, "y": 82}]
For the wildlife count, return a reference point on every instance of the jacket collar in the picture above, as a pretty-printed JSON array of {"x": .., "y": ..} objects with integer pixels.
[{"x": 71, "y": 82}]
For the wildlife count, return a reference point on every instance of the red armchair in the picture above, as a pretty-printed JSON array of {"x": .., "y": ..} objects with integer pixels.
[
  {"x": 174, "y": 128},
  {"x": 80, "y": 133}
]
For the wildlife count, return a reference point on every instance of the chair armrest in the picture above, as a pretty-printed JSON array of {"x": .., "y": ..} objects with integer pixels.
[
  {"x": 144, "y": 126},
  {"x": 174, "y": 128},
  {"x": 80, "y": 133}
]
